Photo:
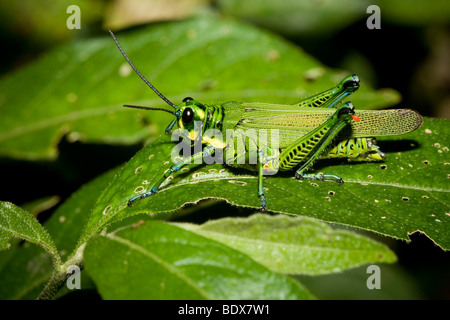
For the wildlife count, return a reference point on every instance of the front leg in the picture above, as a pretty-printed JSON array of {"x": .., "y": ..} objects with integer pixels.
[
  {"x": 264, "y": 165},
  {"x": 317, "y": 176},
  {"x": 207, "y": 151}
]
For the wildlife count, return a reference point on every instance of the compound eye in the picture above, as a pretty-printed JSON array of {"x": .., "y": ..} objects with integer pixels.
[
  {"x": 187, "y": 99},
  {"x": 351, "y": 84},
  {"x": 188, "y": 116}
]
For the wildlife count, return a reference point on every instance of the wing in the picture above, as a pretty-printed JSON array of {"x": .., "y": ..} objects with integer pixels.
[{"x": 293, "y": 122}]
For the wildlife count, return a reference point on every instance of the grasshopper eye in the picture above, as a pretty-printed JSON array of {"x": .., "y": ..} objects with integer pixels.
[
  {"x": 348, "y": 108},
  {"x": 187, "y": 99},
  {"x": 188, "y": 116},
  {"x": 352, "y": 84}
]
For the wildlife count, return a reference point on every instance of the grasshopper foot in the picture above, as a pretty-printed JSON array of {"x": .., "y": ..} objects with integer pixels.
[
  {"x": 141, "y": 196},
  {"x": 263, "y": 203},
  {"x": 319, "y": 176}
]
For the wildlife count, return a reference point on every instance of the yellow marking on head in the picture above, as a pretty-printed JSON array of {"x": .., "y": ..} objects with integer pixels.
[
  {"x": 193, "y": 134},
  {"x": 200, "y": 113}
]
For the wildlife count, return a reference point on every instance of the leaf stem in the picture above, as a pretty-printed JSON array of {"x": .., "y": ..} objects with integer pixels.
[{"x": 60, "y": 274}]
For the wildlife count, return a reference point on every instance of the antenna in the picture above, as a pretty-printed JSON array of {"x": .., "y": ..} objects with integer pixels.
[
  {"x": 139, "y": 74},
  {"x": 147, "y": 108}
]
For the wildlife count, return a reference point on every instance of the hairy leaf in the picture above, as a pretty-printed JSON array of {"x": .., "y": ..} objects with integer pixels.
[
  {"x": 15, "y": 222},
  {"x": 294, "y": 245},
  {"x": 161, "y": 261},
  {"x": 24, "y": 273}
]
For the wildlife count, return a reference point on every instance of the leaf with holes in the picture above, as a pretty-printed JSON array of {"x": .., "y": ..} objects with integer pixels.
[
  {"x": 405, "y": 194},
  {"x": 78, "y": 89}
]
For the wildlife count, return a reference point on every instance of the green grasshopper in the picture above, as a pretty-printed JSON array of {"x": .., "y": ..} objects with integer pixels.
[{"x": 317, "y": 127}]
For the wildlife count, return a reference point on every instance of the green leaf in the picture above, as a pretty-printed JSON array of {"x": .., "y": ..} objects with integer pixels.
[
  {"x": 26, "y": 271},
  {"x": 67, "y": 222},
  {"x": 78, "y": 89},
  {"x": 405, "y": 194},
  {"x": 37, "y": 206},
  {"x": 294, "y": 245},
  {"x": 15, "y": 222},
  {"x": 293, "y": 17},
  {"x": 416, "y": 12},
  {"x": 43, "y": 17},
  {"x": 24, "y": 268},
  {"x": 161, "y": 261}
]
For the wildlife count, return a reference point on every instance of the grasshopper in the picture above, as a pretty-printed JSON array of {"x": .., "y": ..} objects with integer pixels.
[{"x": 318, "y": 127}]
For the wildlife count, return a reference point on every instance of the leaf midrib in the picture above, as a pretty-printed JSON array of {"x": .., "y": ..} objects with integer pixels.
[
  {"x": 394, "y": 185},
  {"x": 165, "y": 264},
  {"x": 279, "y": 244}
]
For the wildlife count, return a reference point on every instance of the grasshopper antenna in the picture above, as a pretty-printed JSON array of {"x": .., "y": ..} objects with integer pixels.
[
  {"x": 148, "y": 108},
  {"x": 140, "y": 74}
]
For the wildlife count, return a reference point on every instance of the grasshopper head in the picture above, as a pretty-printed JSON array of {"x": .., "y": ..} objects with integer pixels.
[
  {"x": 350, "y": 83},
  {"x": 347, "y": 112},
  {"x": 189, "y": 113}
]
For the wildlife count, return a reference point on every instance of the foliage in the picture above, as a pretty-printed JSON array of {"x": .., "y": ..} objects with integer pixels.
[{"x": 125, "y": 251}]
